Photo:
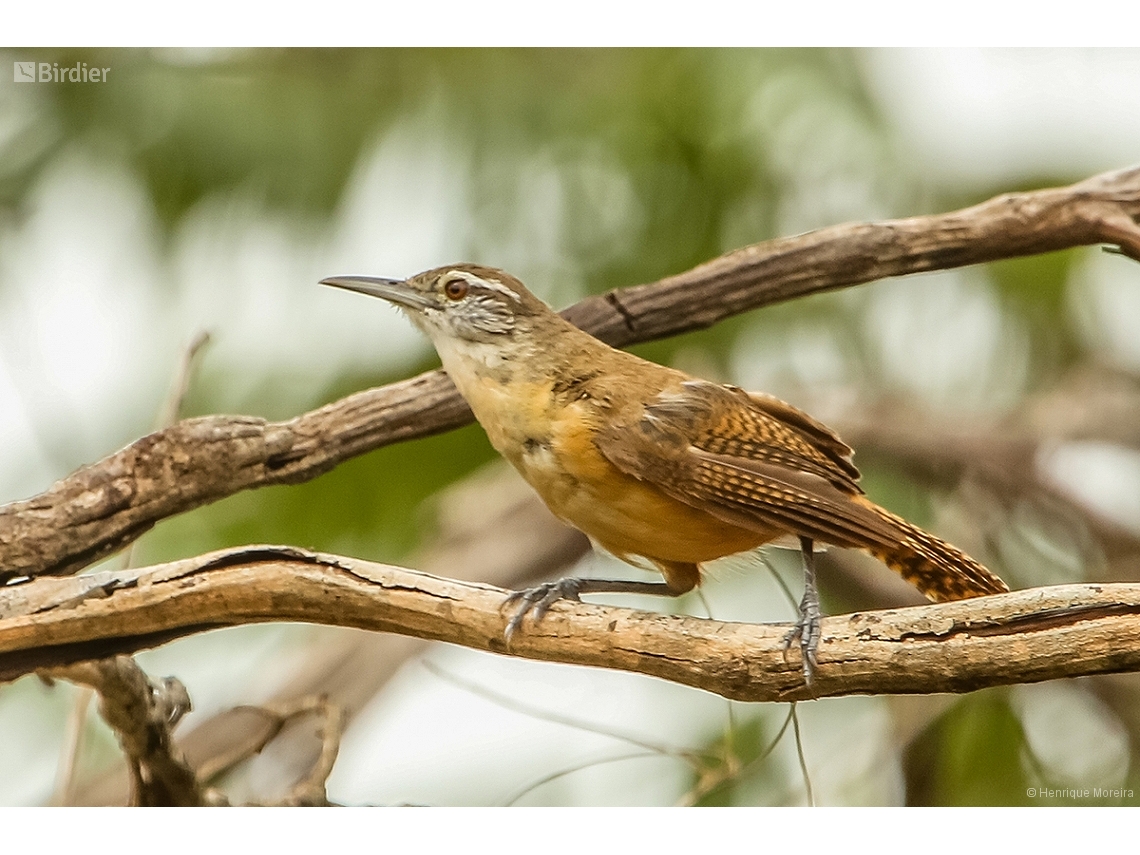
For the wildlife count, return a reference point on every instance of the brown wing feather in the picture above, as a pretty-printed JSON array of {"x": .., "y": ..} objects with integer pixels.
[
  {"x": 824, "y": 438},
  {"x": 763, "y": 465},
  {"x": 759, "y": 495},
  {"x": 731, "y": 422},
  {"x": 725, "y": 451},
  {"x": 798, "y": 502}
]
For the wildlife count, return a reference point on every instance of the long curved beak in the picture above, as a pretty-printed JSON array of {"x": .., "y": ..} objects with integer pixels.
[{"x": 393, "y": 290}]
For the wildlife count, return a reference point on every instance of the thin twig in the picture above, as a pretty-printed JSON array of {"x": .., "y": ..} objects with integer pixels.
[
  {"x": 570, "y": 770},
  {"x": 555, "y": 718},
  {"x": 800, "y": 756},
  {"x": 64, "y": 791},
  {"x": 171, "y": 409},
  {"x": 277, "y": 716},
  {"x": 310, "y": 790},
  {"x": 705, "y": 789}
]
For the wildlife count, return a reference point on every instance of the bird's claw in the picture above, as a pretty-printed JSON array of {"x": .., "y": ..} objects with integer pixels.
[
  {"x": 807, "y": 630},
  {"x": 538, "y": 600}
]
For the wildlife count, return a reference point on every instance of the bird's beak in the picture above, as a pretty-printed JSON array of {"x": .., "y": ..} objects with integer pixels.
[{"x": 393, "y": 290}]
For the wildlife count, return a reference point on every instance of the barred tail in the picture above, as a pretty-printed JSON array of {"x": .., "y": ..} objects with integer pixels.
[{"x": 941, "y": 571}]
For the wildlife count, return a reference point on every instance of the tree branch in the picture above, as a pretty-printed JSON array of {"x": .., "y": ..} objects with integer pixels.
[
  {"x": 1101, "y": 209},
  {"x": 310, "y": 790},
  {"x": 103, "y": 507},
  {"x": 143, "y": 714},
  {"x": 1024, "y": 636}
]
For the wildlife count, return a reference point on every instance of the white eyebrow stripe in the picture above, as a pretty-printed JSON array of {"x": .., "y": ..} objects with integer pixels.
[{"x": 493, "y": 284}]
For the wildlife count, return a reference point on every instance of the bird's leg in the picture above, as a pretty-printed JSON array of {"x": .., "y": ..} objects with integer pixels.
[
  {"x": 539, "y": 599},
  {"x": 807, "y": 627}
]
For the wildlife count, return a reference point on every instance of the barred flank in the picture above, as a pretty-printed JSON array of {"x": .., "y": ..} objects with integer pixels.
[{"x": 941, "y": 571}]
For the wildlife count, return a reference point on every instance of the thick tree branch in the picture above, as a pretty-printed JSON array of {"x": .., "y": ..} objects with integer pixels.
[
  {"x": 1025, "y": 636},
  {"x": 1101, "y": 209},
  {"x": 103, "y": 507}
]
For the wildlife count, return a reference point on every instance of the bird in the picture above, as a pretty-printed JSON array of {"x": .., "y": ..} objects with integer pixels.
[{"x": 655, "y": 465}]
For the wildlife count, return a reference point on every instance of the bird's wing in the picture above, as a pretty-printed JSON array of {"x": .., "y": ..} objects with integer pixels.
[{"x": 750, "y": 460}]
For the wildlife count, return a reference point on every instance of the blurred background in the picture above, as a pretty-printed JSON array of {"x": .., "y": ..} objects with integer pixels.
[{"x": 209, "y": 190}]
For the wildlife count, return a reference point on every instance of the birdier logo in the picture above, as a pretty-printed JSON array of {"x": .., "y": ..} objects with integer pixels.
[{"x": 50, "y": 72}]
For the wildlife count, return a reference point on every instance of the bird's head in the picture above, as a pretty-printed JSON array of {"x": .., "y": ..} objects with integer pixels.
[{"x": 458, "y": 303}]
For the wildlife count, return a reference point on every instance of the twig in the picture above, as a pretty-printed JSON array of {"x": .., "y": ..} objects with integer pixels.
[
  {"x": 734, "y": 771},
  {"x": 64, "y": 792},
  {"x": 800, "y": 757},
  {"x": 570, "y": 770},
  {"x": 712, "y": 769},
  {"x": 103, "y": 507},
  {"x": 142, "y": 713},
  {"x": 171, "y": 408},
  {"x": 309, "y": 791},
  {"x": 1024, "y": 636},
  {"x": 557, "y": 718}
]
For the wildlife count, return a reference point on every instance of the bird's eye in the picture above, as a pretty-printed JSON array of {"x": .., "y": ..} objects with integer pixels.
[{"x": 455, "y": 289}]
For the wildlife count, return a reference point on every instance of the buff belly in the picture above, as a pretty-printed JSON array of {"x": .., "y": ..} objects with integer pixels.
[
  {"x": 552, "y": 448},
  {"x": 624, "y": 515}
]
